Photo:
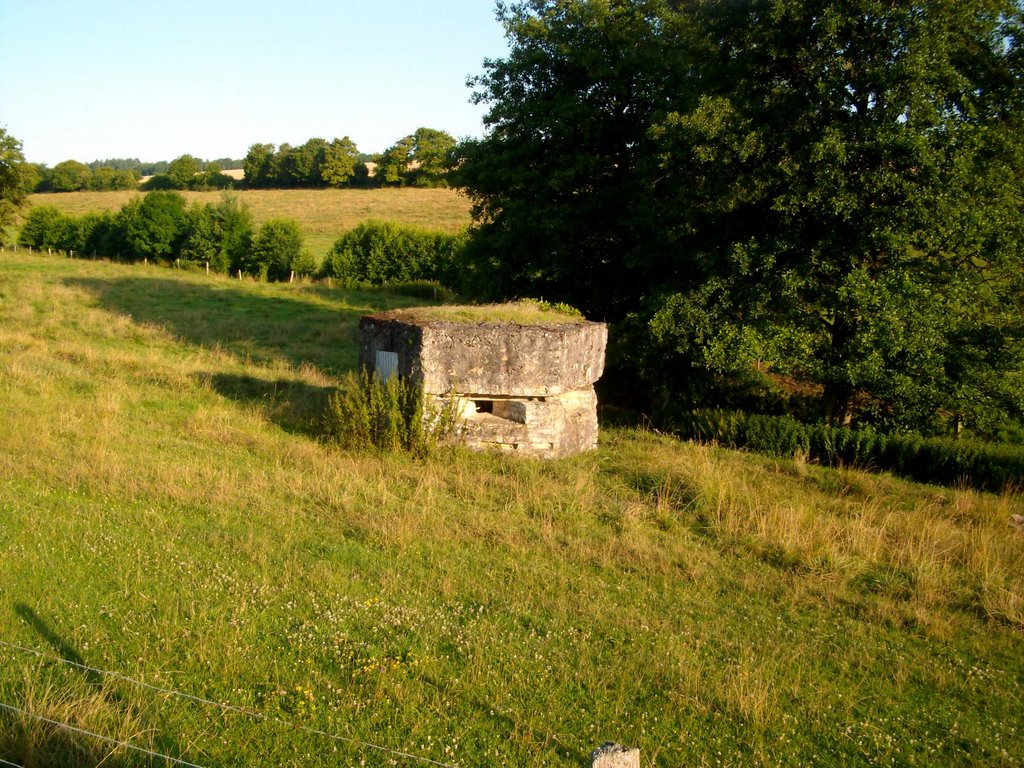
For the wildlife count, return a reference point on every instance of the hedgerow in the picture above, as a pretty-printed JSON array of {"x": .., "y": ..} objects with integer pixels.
[{"x": 942, "y": 461}]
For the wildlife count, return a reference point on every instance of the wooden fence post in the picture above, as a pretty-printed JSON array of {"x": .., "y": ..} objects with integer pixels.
[{"x": 612, "y": 755}]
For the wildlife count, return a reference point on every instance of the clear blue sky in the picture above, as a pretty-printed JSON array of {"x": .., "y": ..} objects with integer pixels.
[{"x": 155, "y": 79}]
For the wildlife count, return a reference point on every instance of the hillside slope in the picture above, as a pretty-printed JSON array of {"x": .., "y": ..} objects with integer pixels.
[{"x": 168, "y": 513}]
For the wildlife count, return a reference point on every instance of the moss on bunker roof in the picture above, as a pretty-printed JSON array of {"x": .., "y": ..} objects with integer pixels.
[{"x": 525, "y": 312}]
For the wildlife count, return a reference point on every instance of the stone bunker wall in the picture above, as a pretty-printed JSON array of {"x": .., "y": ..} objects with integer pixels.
[{"x": 522, "y": 388}]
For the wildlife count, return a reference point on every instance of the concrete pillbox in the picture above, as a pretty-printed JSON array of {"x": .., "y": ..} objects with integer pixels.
[{"x": 523, "y": 386}]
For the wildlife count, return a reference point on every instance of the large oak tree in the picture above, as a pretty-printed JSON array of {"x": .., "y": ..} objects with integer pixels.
[{"x": 830, "y": 187}]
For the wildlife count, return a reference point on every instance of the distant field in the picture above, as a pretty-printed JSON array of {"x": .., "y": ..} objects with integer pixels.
[{"x": 323, "y": 214}]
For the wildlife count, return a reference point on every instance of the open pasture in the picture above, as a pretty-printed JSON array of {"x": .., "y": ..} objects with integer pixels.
[{"x": 168, "y": 513}]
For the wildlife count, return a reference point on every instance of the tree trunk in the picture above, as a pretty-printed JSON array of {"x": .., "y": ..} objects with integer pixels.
[{"x": 835, "y": 403}]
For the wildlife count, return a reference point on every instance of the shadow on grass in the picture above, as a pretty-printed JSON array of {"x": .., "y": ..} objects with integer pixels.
[
  {"x": 293, "y": 405},
  {"x": 241, "y": 320},
  {"x": 26, "y": 739}
]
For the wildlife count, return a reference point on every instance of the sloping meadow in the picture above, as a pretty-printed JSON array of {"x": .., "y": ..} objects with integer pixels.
[{"x": 169, "y": 512}]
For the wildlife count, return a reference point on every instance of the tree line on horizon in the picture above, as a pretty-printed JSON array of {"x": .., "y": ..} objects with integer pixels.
[{"x": 422, "y": 159}]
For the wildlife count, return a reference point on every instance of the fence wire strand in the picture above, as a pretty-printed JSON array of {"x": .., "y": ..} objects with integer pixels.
[
  {"x": 98, "y": 736},
  {"x": 224, "y": 706}
]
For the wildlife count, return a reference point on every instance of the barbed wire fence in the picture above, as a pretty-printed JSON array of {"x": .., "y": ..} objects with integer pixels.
[{"x": 198, "y": 700}]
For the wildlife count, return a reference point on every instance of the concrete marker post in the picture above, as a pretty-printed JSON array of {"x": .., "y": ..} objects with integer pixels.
[{"x": 612, "y": 755}]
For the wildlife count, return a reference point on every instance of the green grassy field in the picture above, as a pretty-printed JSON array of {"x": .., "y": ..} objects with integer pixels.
[
  {"x": 168, "y": 513},
  {"x": 323, "y": 214}
]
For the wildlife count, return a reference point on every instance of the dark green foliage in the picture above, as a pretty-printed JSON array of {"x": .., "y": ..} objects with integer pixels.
[
  {"x": 35, "y": 178},
  {"x": 182, "y": 170},
  {"x": 201, "y": 241},
  {"x": 393, "y": 163},
  {"x": 105, "y": 178},
  {"x": 13, "y": 173},
  {"x": 120, "y": 174},
  {"x": 339, "y": 163},
  {"x": 219, "y": 234},
  {"x": 276, "y": 249},
  {"x": 382, "y": 253},
  {"x": 47, "y": 227},
  {"x": 70, "y": 176},
  {"x": 316, "y": 163},
  {"x": 161, "y": 182},
  {"x": 44, "y": 227},
  {"x": 235, "y": 224},
  {"x": 157, "y": 226},
  {"x": 211, "y": 178},
  {"x": 155, "y": 229},
  {"x": 941, "y": 461},
  {"x": 389, "y": 415},
  {"x": 102, "y": 235},
  {"x": 830, "y": 188},
  {"x": 257, "y": 165},
  {"x": 424, "y": 159}
]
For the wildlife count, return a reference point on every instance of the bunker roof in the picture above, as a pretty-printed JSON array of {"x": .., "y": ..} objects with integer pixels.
[{"x": 525, "y": 312}]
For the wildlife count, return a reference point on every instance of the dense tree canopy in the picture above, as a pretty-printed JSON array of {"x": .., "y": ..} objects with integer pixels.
[
  {"x": 316, "y": 163},
  {"x": 831, "y": 188},
  {"x": 181, "y": 171},
  {"x": 276, "y": 250},
  {"x": 155, "y": 226},
  {"x": 422, "y": 159},
  {"x": 70, "y": 176},
  {"x": 12, "y": 178}
]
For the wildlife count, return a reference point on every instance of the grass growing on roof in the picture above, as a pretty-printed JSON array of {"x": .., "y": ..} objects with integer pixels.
[
  {"x": 167, "y": 512},
  {"x": 523, "y": 312}
]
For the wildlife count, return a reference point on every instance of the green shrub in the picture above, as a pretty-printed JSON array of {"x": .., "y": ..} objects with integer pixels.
[
  {"x": 942, "y": 461},
  {"x": 276, "y": 248},
  {"x": 384, "y": 253},
  {"x": 47, "y": 227},
  {"x": 391, "y": 414}
]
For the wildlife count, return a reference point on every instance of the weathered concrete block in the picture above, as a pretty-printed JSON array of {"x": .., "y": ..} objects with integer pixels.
[
  {"x": 522, "y": 387},
  {"x": 555, "y": 426},
  {"x": 497, "y": 358}
]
